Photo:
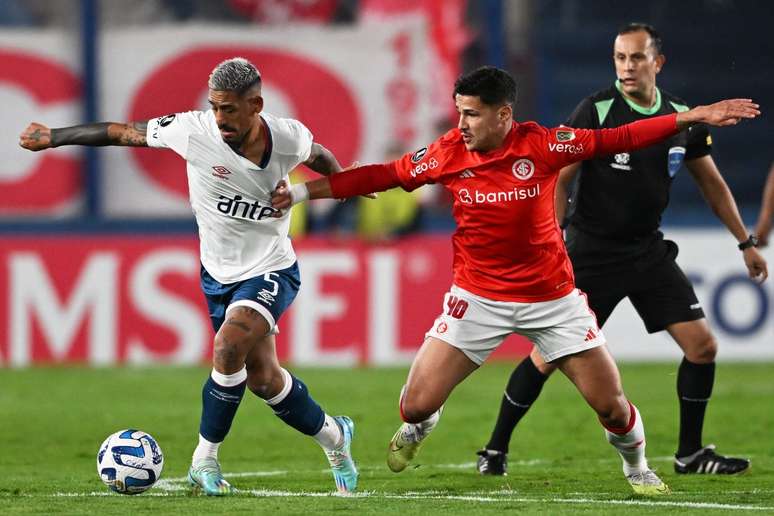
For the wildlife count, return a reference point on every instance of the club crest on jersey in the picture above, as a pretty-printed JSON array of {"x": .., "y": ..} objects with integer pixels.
[
  {"x": 675, "y": 160},
  {"x": 418, "y": 155},
  {"x": 565, "y": 135},
  {"x": 523, "y": 169}
]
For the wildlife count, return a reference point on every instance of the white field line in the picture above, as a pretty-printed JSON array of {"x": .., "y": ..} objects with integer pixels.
[{"x": 486, "y": 497}]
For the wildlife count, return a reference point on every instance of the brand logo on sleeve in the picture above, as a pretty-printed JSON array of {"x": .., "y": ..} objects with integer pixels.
[
  {"x": 523, "y": 169},
  {"x": 565, "y": 135},
  {"x": 166, "y": 120},
  {"x": 418, "y": 155},
  {"x": 675, "y": 160}
]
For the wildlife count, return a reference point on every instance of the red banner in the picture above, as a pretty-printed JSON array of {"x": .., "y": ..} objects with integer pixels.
[{"x": 123, "y": 299}]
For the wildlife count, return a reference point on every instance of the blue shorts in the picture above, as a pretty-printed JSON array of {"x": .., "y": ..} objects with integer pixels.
[{"x": 269, "y": 294}]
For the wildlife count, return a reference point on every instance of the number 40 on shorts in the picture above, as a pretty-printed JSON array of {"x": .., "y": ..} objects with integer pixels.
[{"x": 456, "y": 307}]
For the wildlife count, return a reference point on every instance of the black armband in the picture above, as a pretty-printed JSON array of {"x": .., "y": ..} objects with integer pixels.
[{"x": 86, "y": 134}]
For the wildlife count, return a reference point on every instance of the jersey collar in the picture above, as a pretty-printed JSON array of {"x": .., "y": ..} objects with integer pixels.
[{"x": 636, "y": 107}]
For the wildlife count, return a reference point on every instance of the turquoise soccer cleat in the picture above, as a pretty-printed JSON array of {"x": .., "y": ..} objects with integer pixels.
[
  {"x": 342, "y": 465},
  {"x": 205, "y": 475}
]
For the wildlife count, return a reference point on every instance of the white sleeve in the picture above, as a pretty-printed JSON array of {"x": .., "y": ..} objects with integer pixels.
[
  {"x": 303, "y": 139},
  {"x": 172, "y": 131}
]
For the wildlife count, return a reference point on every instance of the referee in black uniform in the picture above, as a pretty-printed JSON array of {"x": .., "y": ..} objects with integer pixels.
[{"x": 617, "y": 250}]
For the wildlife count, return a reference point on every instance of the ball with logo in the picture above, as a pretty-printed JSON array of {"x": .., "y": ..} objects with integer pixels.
[{"x": 129, "y": 461}]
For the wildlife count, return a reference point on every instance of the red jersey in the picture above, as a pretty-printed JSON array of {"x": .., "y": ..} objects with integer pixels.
[{"x": 507, "y": 245}]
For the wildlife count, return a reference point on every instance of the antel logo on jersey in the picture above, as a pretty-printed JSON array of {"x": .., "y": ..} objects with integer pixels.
[
  {"x": 418, "y": 155},
  {"x": 240, "y": 208},
  {"x": 523, "y": 169},
  {"x": 516, "y": 194}
]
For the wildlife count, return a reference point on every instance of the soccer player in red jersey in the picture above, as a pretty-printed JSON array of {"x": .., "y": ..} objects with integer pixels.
[{"x": 511, "y": 270}]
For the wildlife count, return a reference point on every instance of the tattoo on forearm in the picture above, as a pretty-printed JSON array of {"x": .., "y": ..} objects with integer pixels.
[
  {"x": 100, "y": 134},
  {"x": 322, "y": 161}
]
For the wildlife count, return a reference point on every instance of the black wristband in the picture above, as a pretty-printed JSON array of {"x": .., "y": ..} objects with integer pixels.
[{"x": 752, "y": 241}]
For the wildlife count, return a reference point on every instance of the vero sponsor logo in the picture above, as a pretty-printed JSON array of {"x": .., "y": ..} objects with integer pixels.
[{"x": 566, "y": 148}]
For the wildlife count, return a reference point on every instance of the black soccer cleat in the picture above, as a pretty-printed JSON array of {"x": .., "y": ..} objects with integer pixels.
[
  {"x": 707, "y": 462},
  {"x": 491, "y": 462}
]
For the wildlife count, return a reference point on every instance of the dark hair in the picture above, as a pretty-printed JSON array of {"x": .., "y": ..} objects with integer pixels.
[
  {"x": 655, "y": 37},
  {"x": 492, "y": 85}
]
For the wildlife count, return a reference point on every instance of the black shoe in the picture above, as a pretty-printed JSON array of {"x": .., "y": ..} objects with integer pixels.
[
  {"x": 491, "y": 462},
  {"x": 707, "y": 462}
]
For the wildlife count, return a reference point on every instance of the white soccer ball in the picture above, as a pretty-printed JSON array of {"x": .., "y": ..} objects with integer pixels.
[{"x": 129, "y": 461}]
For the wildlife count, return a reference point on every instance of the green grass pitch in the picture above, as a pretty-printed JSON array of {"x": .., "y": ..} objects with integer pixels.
[{"x": 52, "y": 421}]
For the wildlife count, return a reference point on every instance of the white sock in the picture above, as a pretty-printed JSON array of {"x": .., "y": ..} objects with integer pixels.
[
  {"x": 631, "y": 445},
  {"x": 415, "y": 432},
  {"x": 330, "y": 435},
  {"x": 205, "y": 450}
]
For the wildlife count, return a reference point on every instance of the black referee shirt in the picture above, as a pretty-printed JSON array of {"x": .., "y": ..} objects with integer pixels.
[{"x": 619, "y": 199}]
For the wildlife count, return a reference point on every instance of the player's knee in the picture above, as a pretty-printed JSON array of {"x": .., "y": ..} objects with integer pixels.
[
  {"x": 416, "y": 410},
  {"x": 613, "y": 411},
  {"x": 264, "y": 383},
  {"x": 227, "y": 353},
  {"x": 704, "y": 351}
]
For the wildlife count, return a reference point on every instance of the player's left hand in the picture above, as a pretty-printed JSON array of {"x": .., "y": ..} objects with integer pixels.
[
  {"x": 756, "y": 265},
  {"x": 281, "y": 198}
]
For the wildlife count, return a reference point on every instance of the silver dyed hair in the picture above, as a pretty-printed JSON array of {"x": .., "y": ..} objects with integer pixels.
[{"x": 235, "y": 74}]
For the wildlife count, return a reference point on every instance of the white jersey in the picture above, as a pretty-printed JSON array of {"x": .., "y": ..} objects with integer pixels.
[{"x": 231, "y": 196}]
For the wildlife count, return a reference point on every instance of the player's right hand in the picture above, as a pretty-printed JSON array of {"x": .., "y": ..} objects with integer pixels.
[{"x": 35, "y": 137}]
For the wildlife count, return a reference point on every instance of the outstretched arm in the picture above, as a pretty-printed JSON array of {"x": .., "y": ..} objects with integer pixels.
[
  {"x": 39, "y": 137},
  {"x": 715, "y": 190},
  {"x": 763, "y": 228},
  {"x": 350, "y": 183},
  {"x": 644, "y": 133}
]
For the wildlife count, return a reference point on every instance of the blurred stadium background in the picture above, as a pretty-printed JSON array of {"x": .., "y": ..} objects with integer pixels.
[{"x": 98, "y": 246}]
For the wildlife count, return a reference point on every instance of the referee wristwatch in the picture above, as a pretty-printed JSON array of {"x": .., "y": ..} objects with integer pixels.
[{"x": 752, "y": 241}]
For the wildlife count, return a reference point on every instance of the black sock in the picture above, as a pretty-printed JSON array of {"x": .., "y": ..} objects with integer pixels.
[
  {"x": 522, "y": 390},
  {"x": 694, "y": 388}
]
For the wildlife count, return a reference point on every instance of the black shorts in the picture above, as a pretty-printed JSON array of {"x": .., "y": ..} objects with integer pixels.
[{"x": 661, "y": 294}]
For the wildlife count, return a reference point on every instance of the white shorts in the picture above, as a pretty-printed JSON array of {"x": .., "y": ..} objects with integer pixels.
[{"x": 477, "y": 325}]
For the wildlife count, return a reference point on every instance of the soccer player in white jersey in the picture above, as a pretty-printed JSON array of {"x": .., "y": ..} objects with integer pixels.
[{"x": 236, "y": 154}]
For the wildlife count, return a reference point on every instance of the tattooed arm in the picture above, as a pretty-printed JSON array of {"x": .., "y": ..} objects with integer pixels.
[
  {"x": 322, "y": 161},
  {"x": 38, "y": 137}
]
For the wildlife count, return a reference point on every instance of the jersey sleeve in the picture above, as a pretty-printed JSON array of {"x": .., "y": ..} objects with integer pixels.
[
  {"x": 301, "y": 140},
  {"x": 699, "y": 142},
  {"x": 172, "y": 131},
  {"x": 567, "y": 145},
  {"x": 424, "y": 166}
]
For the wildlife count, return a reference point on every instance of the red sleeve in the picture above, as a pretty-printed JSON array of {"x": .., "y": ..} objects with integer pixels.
[
  {"x": 364, "y": 180},
  {"x": 567, "y": 145}
]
